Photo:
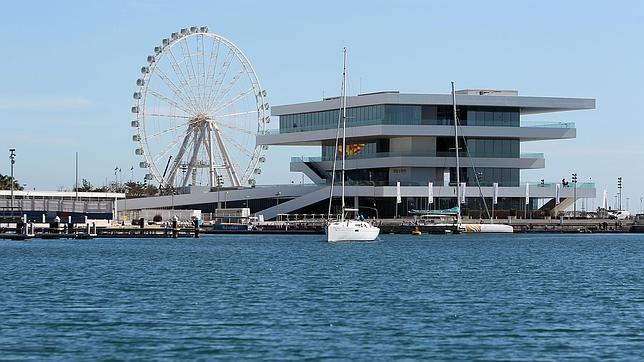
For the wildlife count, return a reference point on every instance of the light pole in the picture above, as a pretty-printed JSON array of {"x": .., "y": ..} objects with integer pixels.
[
  {"x": 220, "y": 181},
  {"x": 574, "y": 197},
  {"x": 277, "y": 202},
  {"x": 619, "y": 192},
  {"x": 592, "y": 206},
  {"x": 12, "y": 157}
]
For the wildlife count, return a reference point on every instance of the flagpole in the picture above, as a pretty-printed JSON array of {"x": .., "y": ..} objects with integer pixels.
[{"x": 76, "y": 176}]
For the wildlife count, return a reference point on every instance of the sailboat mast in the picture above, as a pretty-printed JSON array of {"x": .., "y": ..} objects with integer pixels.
[
  {"x": 344, "y": 121},
  {"x": 458, "y": 166}
]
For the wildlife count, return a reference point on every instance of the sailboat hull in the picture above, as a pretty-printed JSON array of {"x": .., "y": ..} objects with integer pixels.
[
  {"x": 351, "y": 231},
  {"x": 487, "y": 228}
]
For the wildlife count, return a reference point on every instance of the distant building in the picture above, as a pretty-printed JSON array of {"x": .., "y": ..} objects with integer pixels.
[{"x": 36, "y": 204}]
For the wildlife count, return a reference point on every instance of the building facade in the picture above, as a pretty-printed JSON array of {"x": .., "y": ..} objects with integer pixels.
[
  {"x": 409, "y": 139},
  {"x": 45, "y": 206}
]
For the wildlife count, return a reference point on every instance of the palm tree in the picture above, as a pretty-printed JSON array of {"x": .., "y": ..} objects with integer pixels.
[{"x": 5, "y": 183}]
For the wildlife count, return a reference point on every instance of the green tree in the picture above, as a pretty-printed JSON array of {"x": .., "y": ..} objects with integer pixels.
[
  {"x": 116, "y": 187},
  {"x": 137, "y": 189},
  {"x": 101, "y": 189},
  {"x": 151, "y": 190},
  {"x": 85, "y": 186},
  {"x": 5, "y": 183}
]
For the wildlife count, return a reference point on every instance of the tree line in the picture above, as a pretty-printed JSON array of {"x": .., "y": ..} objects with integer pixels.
[
  {"x": 131, "y": 188},
  {"x": 5, "y": 183}
]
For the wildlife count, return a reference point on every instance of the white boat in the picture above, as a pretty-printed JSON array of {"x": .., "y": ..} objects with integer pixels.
[
  {"x": 487, "y": 228},
  {"x": 346, "y": 229},
  {"x": 351, "y": 230}
]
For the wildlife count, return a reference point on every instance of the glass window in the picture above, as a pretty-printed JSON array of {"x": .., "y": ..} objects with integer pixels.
[
  {"x": 489, "y": 119},
  {"x": 507, "y": 120},
  {"x": 514, "y": 119},
  {"x": 498, "y": 118}
]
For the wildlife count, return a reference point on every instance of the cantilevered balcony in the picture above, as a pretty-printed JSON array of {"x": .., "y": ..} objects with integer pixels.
[
  {"x": 529, "y": 131},
  {"x": 410, "y": 159}
]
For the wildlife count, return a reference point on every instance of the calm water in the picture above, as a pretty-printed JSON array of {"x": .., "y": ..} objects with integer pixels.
[{"x": 288, "y": 297}]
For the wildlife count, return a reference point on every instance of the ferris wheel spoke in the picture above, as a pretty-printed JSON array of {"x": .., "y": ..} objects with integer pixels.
[
  {"x": 168, "y": 100},
  {"x": 222, "y": 75},
  {"x": 168, "y": 130},
  {"x": 175, "y": 89},
  {"x": 183, "y": 80},
  {"x": 212, "y": 64},
  {"x": 201, "y": 65},
  {"x": 229, "y": 87},
  {"x": 187, "y": 56},
  {"x": 231, "y": 127},
  {"x": 167, "y": 115},
  {"x": 169, "y": 148},
  {"x": 233, "y": 100},
  {"x": 220, "y": 116},
  {"x": 238, "y": 146}
]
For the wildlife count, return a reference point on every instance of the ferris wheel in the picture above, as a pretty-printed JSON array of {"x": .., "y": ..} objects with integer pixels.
[{"x": 199, "y": 106}]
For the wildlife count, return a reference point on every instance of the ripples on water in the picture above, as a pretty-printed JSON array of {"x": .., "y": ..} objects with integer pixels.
[{"x": 290, "y": 297}]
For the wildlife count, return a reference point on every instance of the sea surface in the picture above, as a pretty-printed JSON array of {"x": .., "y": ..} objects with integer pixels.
[{"x": 433, "y": 297}]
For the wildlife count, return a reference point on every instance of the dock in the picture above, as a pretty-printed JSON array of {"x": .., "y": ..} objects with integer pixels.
[{"x": 387, "y": 226}]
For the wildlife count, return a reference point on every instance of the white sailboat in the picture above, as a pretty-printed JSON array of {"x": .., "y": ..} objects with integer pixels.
[
  {"x": 469, "y": 228},
  {"x": 346, "y": 229}
]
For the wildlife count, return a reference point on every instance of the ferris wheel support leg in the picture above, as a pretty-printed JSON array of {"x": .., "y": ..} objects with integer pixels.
[
  {"x": 171, "y": 180},
  {"x": 198, "y": 136},
  {"x": 230, "y": 169},
  {"x": 211, "y": 157}
]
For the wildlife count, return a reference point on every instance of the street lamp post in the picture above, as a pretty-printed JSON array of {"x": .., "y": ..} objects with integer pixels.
[
  {"x": 220, "y": 181},
  {"x": 12, "y": 157},
  {"x": 591, "y": 206},
  {"x": 574, "y": 197},
  {"x": 619, "y": 192}
]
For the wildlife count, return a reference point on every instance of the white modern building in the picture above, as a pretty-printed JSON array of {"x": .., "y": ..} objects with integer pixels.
[{"x": 408, "y": 139}]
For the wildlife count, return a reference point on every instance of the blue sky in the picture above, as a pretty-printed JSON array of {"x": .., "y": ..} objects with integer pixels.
[{"x": 68, "y": 68}]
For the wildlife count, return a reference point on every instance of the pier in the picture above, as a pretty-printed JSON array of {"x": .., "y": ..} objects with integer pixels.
[{"x": 388, "y": 226}]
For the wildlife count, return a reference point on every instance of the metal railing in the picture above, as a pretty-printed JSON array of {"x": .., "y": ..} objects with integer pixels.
[
  {"x": 59, "y": 205},
  {"x": 550, "y": 184},
  {"x": 541, "y": 124},
  {"x": 411, "y": 154},
  {"x": 353, "y": 123}
]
